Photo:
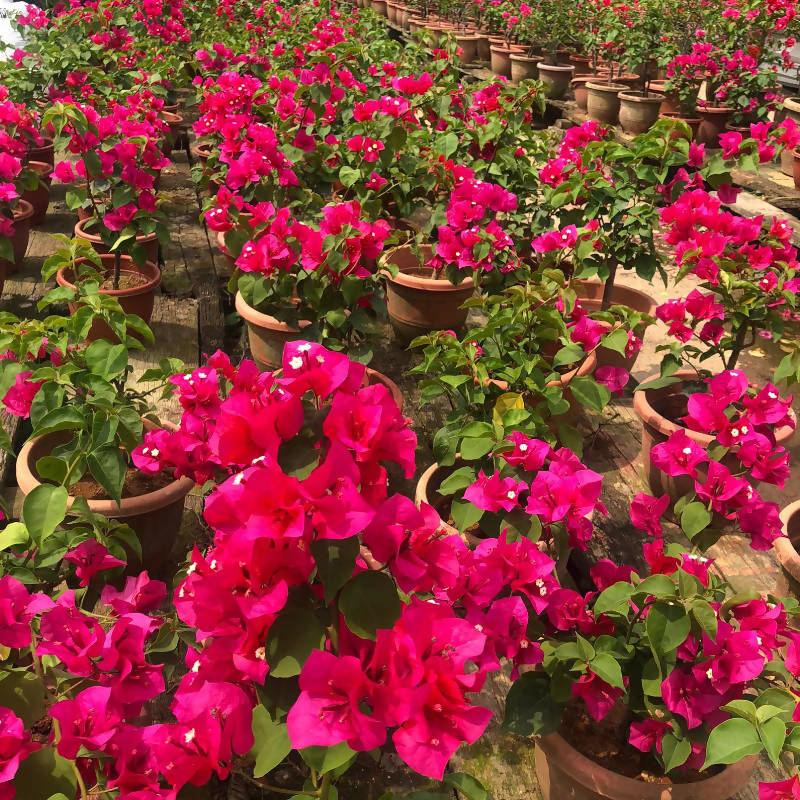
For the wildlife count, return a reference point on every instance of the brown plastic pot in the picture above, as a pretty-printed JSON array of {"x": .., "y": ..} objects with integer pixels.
[
  {"x": 469, "y": 47},
  {"x": 712, "y": 124},
  {"x": 786, "y": 547},
  {"x": 42, "y": 152},
  {"x": 137, "y": 300},
  {"x": 563, "y": 772},
  {"x": 602, "y": 104},
  {"x": 155, "y": 517},
  {"x": 654, "y": 407},
  {"x": 23, "y": 216},
  {"x": 692, "y": 122},
  {"x": 638, "y": 113},
  {"x": 500, "y": 57},
  {"x": 590, "y": 295},
  {"x": 417, "y": 302},
  {"x": 555, "y": 77},
  {"x": 579, "y": 90},
  {"x": 39, "y": 197},
  {"x": 149, "y": 242},
  {"x": 523, "y": 68}
]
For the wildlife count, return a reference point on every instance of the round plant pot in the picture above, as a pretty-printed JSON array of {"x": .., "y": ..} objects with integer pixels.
[
  {"x": 579, "y": 90},
  {"x": 656, "y": 408},
  {"x": 786, "y": 548},
  {"x": 391, "y": 11},
  {"x": 39, "y": 197},
  {"x": 138, "y": 300},
  {"x": 791, "y": 108},
  {"x": 469, "y": 48},
  {"x": 581, "y": 64},
  {"x": 267, "y": 335},
  {"x": 149, "y": 243},
  {"x": 692, "y": 122},
  {"x": 602, "y": 103},
  {"x": 523, "y": 68},
  {"x": 555, "y": 77},
  {"x": 482, "y": 46},
  {"x": 42, "y": 152},
  {"x": 155, "y": 517},
  {"x": 787, "y": 162},
  {"x": 590, "y": 295},
  {"x": 417, "y": 302},
  {"x": 175, "y": 121},
  {"x": 637, "y": 113},
  {"x": 712, "y": 124},
  {"x": 500, "y": 58},
  {"x": 796, "y": 168},
  {"x": 23, "y": 217},
  {"x": 379, "y": 7},
  {"x": 629, "y": 79},
  {"x": 564, "y": 772},
  {"x": 668, "y": 101}
]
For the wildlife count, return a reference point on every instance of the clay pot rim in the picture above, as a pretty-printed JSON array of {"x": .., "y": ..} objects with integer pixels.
[
  {"x": 130, "y": 506},
  {"x": 714, "y": 110},
  {"x": 148, "y": 268},
  {"x": 171, "y": 118},
  {"x": 650, "y": 416},
  {"x": 597, "y": 778},
  {"x": 262, "y": 320},
  {"x": 500, "y": 49},
  {"x": 582, "y": 79},
  {"x": 95, "y": 239},
  {"x": 792, "y": 103},
  {"x": 543, "y": 66},
  {"x": 679, "y": 116},
  {"x": 43, "y": 169},
  {"x": 525, "y": 59},
  {"x": 612, "y": 88},
  {"x": 203, "y": 150},
  {"x": 784, "y": 546},
  {"x": 472, "y": 37},
  {"x": 418, "y": 282},
  {"x": 632, "y": 97},
  {"x": 23, "y": 210},
  {"x": 621, "y": 287}
]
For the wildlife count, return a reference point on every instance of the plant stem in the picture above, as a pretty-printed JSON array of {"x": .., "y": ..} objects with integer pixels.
[
  {"x": 326, "y": 785},
  {"x": 277, "y": 789},
  {"x": 609, "y": 285},
  {"x": 117, "y": 265},
  {"x": 738, "y": 346},
  {"x": 78, "y": 776}
]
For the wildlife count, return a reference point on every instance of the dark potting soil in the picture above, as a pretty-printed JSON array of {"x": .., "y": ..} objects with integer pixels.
[
  {"x": 127, "y": 280},
  {"x": 606, "y": 743},
  {"x": 136, "y": 484}
]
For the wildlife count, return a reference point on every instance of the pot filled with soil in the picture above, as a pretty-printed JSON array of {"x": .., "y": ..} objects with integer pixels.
[
  {"x": 83, "y": 230},
  {"x": 417, "y": 300},
  {"x": 151, "y": 504}
]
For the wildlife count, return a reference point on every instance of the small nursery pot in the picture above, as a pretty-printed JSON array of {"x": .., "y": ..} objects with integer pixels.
[
  {"x": 419, "y": 303},
  {"x": 564, "y": 772},
  {"x": 39, "y": 197},
  {"x": 149, "y": 242},
  {"x": 155, "y": 516},
  {"x": 638, "y": 113},
  {"x": 23, "y": 217},
  {"x": 712, "y": 124},
  {"x": 786, "y": 548},
  {"x": 137, "y": 300},
  {"x": 555, "y": 77},
  {"x": 602, "y": 103}
]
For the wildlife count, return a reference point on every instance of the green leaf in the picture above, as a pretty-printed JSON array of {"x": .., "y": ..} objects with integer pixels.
[
  {"x": 589, "y": 393},
  {"x": 291, "y": 638},
  {"x": 465, "y": 514},
  {"x": 470, "y": 787},
  {"x": 731, "y": 741},
  {"x": 108, "y": 466},
  {"x": 472, "y": 449},
  {"x": 530, "y": 707},
  {"x": 44, "y": 773},
  {"x": 569, "y": 354},
  {"x": 13, "y": 533},
  {"x": 773, "y": 735},
  {"x": 667, "y": 627},
  {"x": 457, "y": 480},
  {"x": 43, "y": 510},
  {"x": 272, "y": 743},
  {"x": 23, "y": 693},
  {"x": 369, "y": 602},
  {"x": 106, "y": 360},
  {"x": 327, "y": 759},
  {"x": 614, "y": 598},
  {"x": 694, "y": 519},
  {"x": 606, "y": 667},
  {"x": 336, "y": 560},
  {"x": 349, "y": 176},
  {"x": 60, "y": 419},
  {"x": 705, "y": 616},
  {"x": 674, "y": 751},
  {"x": 656, "y": 585},
  {"x": 617, "y": 340}
]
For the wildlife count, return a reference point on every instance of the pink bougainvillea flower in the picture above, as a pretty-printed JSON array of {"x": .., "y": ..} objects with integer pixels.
[
  {"x": 529, "y": 454},
  {"x": 606, "y": 573},
  {"x": 679, "y": 455},
  {"x": 780, "y": 790},
  {"x": 17, "y": 609},
  {"x": 140, "y": 594},
  {"x": 614, "y": 378},
  {"x": 15, "y": 746},
  {"x": 598, "y": 695},
  {"x": 90, "y": 720},
  {"x": 91, "y": 557},
  {"x": 493, "y": 493},
  {"x": 646, "y": 512},
  {"x": 19, "y": 397},
  {"x": 648, "y": 734}
]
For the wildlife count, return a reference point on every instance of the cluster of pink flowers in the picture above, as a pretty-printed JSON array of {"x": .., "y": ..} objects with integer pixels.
[
  {"x": 746, "y": 425},
  {"x": 569, "y": 157}
]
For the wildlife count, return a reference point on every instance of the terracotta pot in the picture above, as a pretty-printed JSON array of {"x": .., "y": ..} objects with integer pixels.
[
  {"x": 796, "y": 168},
  {"x": 155, "y": 517},
  {"x": 629, "y": 79},
  {"x": 655, "y": 407},
  {"x": 501, "y": 60},
  {"x": 175, "y": 121},
  {"x": 137, "y": 300},
  {"x": 786, "y": 548},
  {"x": 149, "y": 243},
  {"x": 414, "y": 24},
  {"x": 419, "y": 303},
  {"x": 590, "y": 295},
  {"x": 23, "y": 217},
  {"x": 692, "y": 122},
  {"x": 482, "y": 46},
  {"x": 556, "y": 78},
  {"x": 469, "y": 48},
  {"x": 39, "y": 197},
  {"x": 391, "y": 11},
  {"x": 637, "y": 114},
  {"x": 669, "y": 103},
  {"x": 787, "y": 161},
  {"x": 42, "y": 152},
  {"x": 712, "y": 124},
  {"x": 564, "y": 772},
  {"x": 579, "y": 90},
  {"x": 791, "y": 108},
  {"x": 379, "y": 7},
  {"x": 602, "y": 104},
  {"x": 267, "y": 335},
  {"x": 523, "y": 68},
  {"x": 581, "y": 64}
]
